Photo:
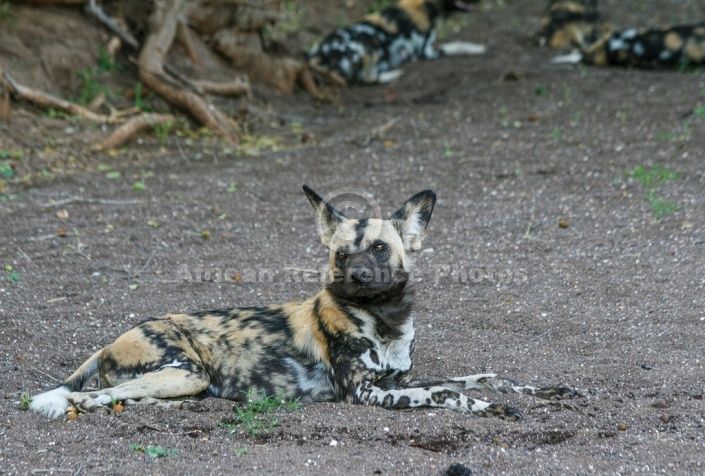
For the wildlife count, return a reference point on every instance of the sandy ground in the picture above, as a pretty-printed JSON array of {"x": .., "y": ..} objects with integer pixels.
[{"x": 544, "y": 262}]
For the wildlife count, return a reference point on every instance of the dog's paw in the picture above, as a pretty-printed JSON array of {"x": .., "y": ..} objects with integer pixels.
[
  {"x": 500, "y": 411},
  {"x": 89, "y": 402},
  {"x": 556, "y": 393}
]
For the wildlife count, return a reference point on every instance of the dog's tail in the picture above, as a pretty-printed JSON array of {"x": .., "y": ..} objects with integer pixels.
[{"x": 54, "y": 403}]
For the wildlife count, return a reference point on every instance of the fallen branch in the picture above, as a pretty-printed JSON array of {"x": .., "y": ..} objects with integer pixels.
[
  {"x": 237, "y": 87},
  {"x": 100, "y": 201},
  {"x": 378, "y": 132},
  {"x": 132, "y": 127},
  {"x": 46, "y": 100}
]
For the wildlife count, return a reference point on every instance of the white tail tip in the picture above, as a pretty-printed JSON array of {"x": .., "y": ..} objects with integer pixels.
[
  {"x": 572, "y": 58},
  {"x": 51, "y": 404}
]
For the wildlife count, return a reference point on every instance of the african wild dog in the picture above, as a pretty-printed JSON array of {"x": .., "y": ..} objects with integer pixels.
[
  {"x": 578, "y": 24},
  {"x": 677, "y": 46},
  {"x": 372, "y": 50},
  {"x": 350, "y": 342}
]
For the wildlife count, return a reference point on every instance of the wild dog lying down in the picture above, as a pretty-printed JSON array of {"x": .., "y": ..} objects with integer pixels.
[
  {"x": 372, "y": 50},
  {"x": 678, "y": 46},
  {"x": 350, "y": 342}
]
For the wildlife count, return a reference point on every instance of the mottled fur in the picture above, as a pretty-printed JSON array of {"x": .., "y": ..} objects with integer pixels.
[
  {"x": 577, "y": 24},
  {"x": 571, "y": 24},
  {"x": 373, "y": 50},
  {"x": 678, "y": 46},
  {"x": 350, "y": 342}
]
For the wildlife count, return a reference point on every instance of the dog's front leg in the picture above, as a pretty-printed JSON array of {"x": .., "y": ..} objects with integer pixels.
[
  {"x": 366, "y": 393},
  {"x": 495, "y": 383}
]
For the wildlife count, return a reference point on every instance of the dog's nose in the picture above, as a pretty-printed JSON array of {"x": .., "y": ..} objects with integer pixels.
[{"x": 362, "y": 274}]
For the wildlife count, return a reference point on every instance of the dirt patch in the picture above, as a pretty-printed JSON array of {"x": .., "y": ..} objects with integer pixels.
[{"x": 545, "y": 262}]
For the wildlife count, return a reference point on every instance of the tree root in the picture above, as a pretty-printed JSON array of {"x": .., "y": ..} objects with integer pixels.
[
  {"x": 165, "y": 20},
  {"x": 234, "y": 28},
  {"x": 49, "y": 101},
  {"x": 132, "y": 127},
  {"x": 4, "y": 98},
  {"x": 97, "y": 11}
]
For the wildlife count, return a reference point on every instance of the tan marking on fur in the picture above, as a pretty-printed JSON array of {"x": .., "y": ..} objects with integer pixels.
[
  {"x": 700, "y": 31},
  {"x": 695, "y": 50},
  {"x": 562, "y": 38},
  {"x": 332, "y": 76},
  {"x": 415, "y": 10},
  {"x": 573, "y": 7},
  {"x": 597, "y": 54},
  {"x": 673, "y": 41},
  {"x": 335, "y": 320},
  {"x": 307, "y": 336},
  {"x": 132, "y": 349},
  {"x": 381, "y": 22}
]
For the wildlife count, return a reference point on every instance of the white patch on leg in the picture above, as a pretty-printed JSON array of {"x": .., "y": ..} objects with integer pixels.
[
  {"x": 51, "y": 404},
  {"x": 104, "y": 399},
  {"x": 389, "y": 76},
  {"x": 471, "y": 382},
  {"x": 458, "y": 48},
  {"x": 175, "y": 363},
  {"x": 572, "y": 58}
]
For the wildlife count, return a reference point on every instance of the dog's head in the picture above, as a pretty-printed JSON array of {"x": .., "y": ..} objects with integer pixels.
[{"x": 369, "y": 257}]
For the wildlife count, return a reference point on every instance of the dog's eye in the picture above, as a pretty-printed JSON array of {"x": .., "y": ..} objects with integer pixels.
[
  {"x": 340, "y": 255},
  {"x": 380, "y": 247}
]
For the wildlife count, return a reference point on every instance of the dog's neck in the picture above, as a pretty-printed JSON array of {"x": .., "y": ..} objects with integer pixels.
[{"x": 391, "y": 309}]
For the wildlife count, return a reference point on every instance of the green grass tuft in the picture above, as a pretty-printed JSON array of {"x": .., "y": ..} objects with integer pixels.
[
  {"x": 651, "y": 179},
  {"x": 258, "y": 415}
]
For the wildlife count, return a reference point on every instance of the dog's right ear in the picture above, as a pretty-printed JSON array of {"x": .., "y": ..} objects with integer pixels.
[
  {"x": 412, "y": 218},
  {"x": 327, "y": 216}
]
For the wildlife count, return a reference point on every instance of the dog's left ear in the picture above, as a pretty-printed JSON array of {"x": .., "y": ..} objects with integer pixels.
[
  {"x": 327, "y": 216},
  {"x": 411, "y": 219}
]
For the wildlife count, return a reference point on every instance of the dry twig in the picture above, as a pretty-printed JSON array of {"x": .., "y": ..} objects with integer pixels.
[{"x": 46, "y": 100}]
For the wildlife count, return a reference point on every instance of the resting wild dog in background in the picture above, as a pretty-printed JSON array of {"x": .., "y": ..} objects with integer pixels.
[
  {"x": 351, "y": 342},
  {"x": 372, "y": 50},
  {"x": 679, "y": 46},
  {"x": 577, "y": 24}
]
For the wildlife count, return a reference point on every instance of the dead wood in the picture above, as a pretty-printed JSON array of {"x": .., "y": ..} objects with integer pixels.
[
  {"x": 133, "y": 127},
  {"x": 231, "y": 27},
  {"x": 4, "y": 98},
  {"x": 246, "y": 53},
  {"x": 46, "y": 100},
  {"x": 164, "y": 21}
]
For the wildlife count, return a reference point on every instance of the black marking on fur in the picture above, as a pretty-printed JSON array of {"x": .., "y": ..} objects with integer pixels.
[
  {"x": 363, "y": 51},
  {"x": 348, "y": 344}
]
